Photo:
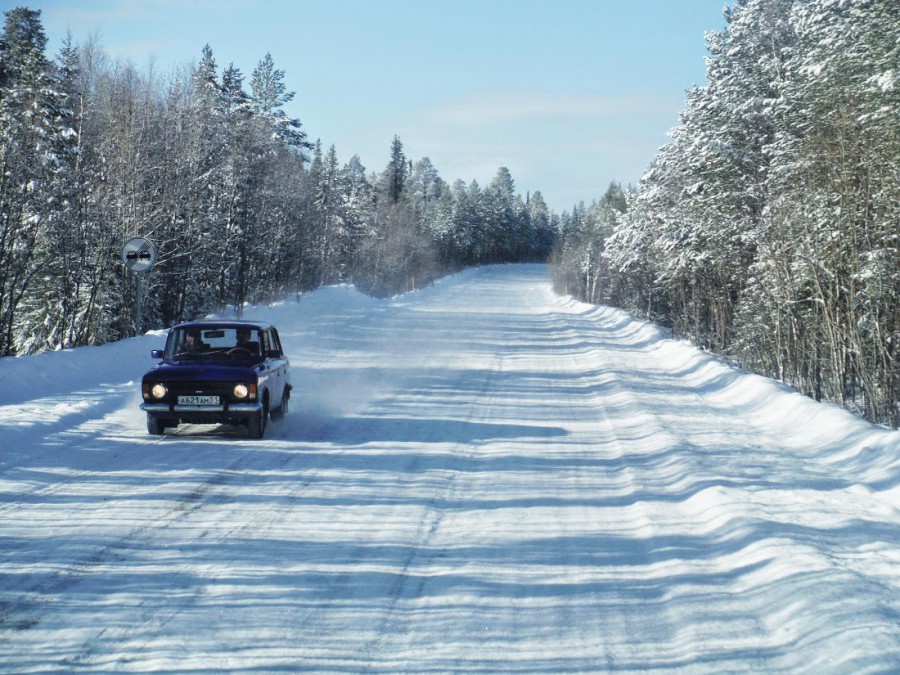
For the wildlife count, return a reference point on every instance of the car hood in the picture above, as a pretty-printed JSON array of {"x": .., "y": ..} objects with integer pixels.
[{"x": 211, "y": 372}]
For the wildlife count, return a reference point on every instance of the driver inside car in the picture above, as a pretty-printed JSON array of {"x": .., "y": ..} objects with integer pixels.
[{"x": 244, "y": 341}]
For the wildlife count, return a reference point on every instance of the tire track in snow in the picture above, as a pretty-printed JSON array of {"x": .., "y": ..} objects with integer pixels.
[
  {"x": 21, "y": 612},
  {"x": 27, "y": 601},
  {"x": 406, "y": 589},
  {"x": 149, "y": 615}
]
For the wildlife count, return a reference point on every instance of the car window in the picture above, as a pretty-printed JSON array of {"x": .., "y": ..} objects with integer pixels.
[
  {"x": 276, "y": 341},
  {"x": 213, "y": 341}
]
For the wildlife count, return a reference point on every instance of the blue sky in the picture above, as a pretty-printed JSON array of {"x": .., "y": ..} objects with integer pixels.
[{"x": 567, "y": 94}]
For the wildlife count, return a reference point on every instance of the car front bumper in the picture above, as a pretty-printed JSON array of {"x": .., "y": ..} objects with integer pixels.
[{"x": 203, "y": 414}]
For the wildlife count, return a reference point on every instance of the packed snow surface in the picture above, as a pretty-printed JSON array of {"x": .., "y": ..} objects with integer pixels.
[{"x": 481, "y": 476}]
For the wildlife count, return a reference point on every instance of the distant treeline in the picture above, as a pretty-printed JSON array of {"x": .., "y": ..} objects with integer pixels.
[
  {"x": 768, "y": 229},
  {"x": 241, "y": 205}
]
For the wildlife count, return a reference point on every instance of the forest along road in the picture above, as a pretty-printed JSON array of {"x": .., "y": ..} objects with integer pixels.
[{"x": 480, "y": 476}]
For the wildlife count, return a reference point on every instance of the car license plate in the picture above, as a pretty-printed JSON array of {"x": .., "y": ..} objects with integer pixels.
[{"x": 198, "y": 400}]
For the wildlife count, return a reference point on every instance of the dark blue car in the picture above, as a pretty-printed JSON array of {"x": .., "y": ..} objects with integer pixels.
[{"x": 218, "y": 372}]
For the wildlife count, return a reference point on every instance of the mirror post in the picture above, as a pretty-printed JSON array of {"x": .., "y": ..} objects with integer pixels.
[{"x": 138, "y": 292}]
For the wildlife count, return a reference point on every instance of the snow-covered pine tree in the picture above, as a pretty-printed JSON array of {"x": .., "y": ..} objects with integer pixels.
[
  {"x": 36, "y": 143},
  {"x": 270, "y": 95}
]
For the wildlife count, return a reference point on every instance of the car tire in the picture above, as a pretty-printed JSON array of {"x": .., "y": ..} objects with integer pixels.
[
  {"x": 282, "y": 410},
  {"x": 155, "y": 426},
  {"x": 256, "y": 425}
]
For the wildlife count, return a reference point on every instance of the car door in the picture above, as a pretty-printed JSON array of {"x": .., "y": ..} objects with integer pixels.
[{"x": 277, "y": 364}]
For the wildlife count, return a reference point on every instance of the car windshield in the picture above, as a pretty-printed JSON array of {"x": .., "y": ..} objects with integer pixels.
[{"x": 214, "y": 342}]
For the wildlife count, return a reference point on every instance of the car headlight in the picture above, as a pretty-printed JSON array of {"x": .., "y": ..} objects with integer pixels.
[
  {"x": 158, "y": 391},
  {"x": 241, "y": 391}
]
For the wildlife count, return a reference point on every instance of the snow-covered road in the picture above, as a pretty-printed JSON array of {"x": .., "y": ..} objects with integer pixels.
[{"x": 481, "y": 476}]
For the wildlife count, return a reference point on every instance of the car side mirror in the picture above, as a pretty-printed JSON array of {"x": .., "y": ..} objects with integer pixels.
[
  {"x": 274, "y": 354},
  {"x": 156, "y": 354}
]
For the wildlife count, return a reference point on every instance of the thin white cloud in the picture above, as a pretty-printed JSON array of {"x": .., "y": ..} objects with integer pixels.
[{"x": 485, "y": 109}]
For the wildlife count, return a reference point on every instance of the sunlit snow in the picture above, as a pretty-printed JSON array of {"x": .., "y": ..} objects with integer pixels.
[{"x": 480, "y": 476}]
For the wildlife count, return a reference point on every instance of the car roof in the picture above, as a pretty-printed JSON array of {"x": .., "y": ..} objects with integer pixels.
[{"x": 230, "y": 323}]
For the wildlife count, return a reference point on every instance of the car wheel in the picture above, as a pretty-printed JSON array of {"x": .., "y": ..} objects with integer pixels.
[
  {"x": 256, "y": 425},
  {"x": 155, "y": 426},
  {"x": 281, "y": 410}
]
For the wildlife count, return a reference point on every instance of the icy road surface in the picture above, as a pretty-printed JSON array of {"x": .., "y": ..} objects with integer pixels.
[{"x": 481, "y": 476}]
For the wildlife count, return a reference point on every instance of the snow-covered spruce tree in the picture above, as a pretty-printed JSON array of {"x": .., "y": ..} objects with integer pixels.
[
  {"x": 404, "y": 250},
  {"x": 579, "y": 264},
  {"x": 631, "y": 258},
  {"x": 768, "y": 226},
  {"x": 358, "y": 204},
  {"x": 390, "y": 248},
  {"x": 714, "y": 178},
  {"x": 36, "y": 147},
  {"x": 442, "y": 226},
  {"x": 422, "y": 194},
  {"x": 395, "y": 174},
  {"x": 473, "y": 224},
  {"x": 542, "y": 225},
  {"x": 191, "y": 206},
  {"x": 460, "y": 216},
  {"x": 499, "y": 225},
  {"x": 224, "y": 200},
  {"x": 327, "y": 217},
  {"x": 524, "y": 233},
  {"x": 682, "y": 251},
  {"x": 52, "y": 306},
  {"x": 828, "y": 271}
]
